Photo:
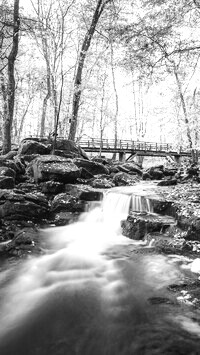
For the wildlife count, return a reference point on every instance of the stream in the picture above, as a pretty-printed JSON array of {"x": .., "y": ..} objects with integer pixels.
[{"x": 96, "y": 292}]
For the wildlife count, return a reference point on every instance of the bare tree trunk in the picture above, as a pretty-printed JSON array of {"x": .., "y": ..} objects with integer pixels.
[
  {"x": 4, "y": 95},
  {"x": 23, "y": 118},
  {"x": 58, "y": 114},
  {"x": 101, "y": 116},
  {"x": 116, "y": 99},
  {"x": 135, "y": 104},
  {"x": 8, "y": 119},
  {"x": 185, "y": 114},
  {"x": 78, "y": 78},
  {"x": 48, "y": 94}
]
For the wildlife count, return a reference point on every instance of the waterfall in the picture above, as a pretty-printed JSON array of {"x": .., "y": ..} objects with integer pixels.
[
  {"x": 118, "y": 204},
  {"x": 141, "y": 204},
  {"x": 89, "y": 294}
]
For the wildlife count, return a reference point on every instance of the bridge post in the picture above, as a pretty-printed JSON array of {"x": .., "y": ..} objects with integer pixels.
[
  {"x": 177, "y": 159},
  {"x": 122, "y": 156}
]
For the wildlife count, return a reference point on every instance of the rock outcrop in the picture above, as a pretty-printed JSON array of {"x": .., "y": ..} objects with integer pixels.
[
  {"x": 54, "y": 168},
  {"x": 138, "y": 224}
]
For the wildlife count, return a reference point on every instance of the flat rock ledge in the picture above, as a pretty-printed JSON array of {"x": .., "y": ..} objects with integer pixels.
[{"x": 138, "y": 224}]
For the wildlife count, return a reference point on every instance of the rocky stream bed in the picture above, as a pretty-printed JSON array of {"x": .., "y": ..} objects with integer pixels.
[{"x": 39, "y": 190}]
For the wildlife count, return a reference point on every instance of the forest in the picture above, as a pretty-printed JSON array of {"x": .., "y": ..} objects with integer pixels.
[{"x": 116, "y": 69}]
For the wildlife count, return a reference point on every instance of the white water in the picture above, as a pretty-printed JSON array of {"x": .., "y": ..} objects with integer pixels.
[{"x": 89, "y": 294}]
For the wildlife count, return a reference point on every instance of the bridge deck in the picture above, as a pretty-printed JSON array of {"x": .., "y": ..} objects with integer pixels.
[{"x": 131, "y": 147}]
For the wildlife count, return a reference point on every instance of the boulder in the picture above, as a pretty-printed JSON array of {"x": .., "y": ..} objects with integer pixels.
[
  {"x": 123, "y": 179},
  {"x": 193, "y": 170},
  {"x": 52, "y": 187},
  {"x": 65, "y": 202},
  {"x": 85, "y": 193},
  {"x": 138, "y": 224},
  {"x": 167, "y": 182},
  {"x": 27, "y": 187},
  {"x": 101, "y": 183},
  {"x": 123, "y": 169},
  {"x": 16, "y": 205},
  {"x": 5, "y": 171},
  {"x": 20, "y": 165},
  {"x": 191, "y": 225},
  {"x": 10, "y": 155},
  {"x": 85, "y": 174},
  {"x": 28, "y": 158},
  {"x": 29, "y": 147},
  {"x": 169, "y": 172},
  {"x": 131, "y": 167},
  {"x": 8, "y": 163},
  {"x": 91, "y": 166},
  {"x": 64, "y": 218},
  {"x": 52, "y": 167},
  {"x": 156, "y": 173},
  {"x": 69, "y": 149},
  {"x": 114, "y": 169},
  {"x": 101, "y": 160},
  {"x": 146, "y": 176},
  {"x": 23, "y": 243},
  {"x": 7, "y": 182}
]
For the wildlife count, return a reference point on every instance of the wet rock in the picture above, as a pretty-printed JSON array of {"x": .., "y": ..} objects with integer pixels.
[
  {"x": 8, "y": 163},
  {"x": 85, "y": 174},
  {"x": 82, "y": 192},
  {"x": 16, "y": 205},
  {"x": 146, "y": 176},
  {"x": 52, "y": 187},
  {"x": 29, "y": 147},
  {"x": 191, "y": 225},
  {"x": 138, "y": 224},
  {"x": 27, "y": 187},
  {"x": 156, "y": 173},
  {"x": 166, "y": 243},
  {"x": 9, "y": 155},
  {"x": 123, "y": 179},
  {"x": 65, "y": 218},
  {"x": 5, "y": 171},
  {"x": 101, "y": 160},
  {"x": 23, "y": 243},
  {"x": 163, "y": 207},
  {"x": 101, "y": 183},
  {"x": 91, "y": 166},
  {"x": 169, "y": 172},
  {"x": 160, "y": 300},
  {"x": 23, "y": 237},
  {"x": 167, "y": 182},
  {"x": 46, "y": 168},
  {"x": 65, "y": 202},
  {"x": 28, "y": 158},
  {"x": 20, "y": 165},
  {"x": 131, "y": 167},
  {"x": 114, "y": 169},
  {"x": 192, "y": 170},
  {"x": 7, "y": 182},
  {"x": 123, "y": 169}
]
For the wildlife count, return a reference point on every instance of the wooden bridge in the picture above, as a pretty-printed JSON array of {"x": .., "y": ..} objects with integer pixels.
[{"x": 123, "y": 147}]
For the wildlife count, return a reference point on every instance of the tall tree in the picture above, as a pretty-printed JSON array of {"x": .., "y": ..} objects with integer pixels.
[
  {"x": 8, "y": 118},
  {"x": 100, "y": 6},
  {"x": 51, "y": 36}
]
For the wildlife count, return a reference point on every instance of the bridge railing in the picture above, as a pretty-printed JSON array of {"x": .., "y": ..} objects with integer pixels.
[{"x": 124, "y": 144}]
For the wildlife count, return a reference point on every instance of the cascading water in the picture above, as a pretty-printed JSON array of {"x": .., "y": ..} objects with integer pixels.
[{"x": 89, "y": 295}]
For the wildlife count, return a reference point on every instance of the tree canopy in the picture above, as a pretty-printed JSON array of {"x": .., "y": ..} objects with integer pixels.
[{"x": 103, "y": 68}]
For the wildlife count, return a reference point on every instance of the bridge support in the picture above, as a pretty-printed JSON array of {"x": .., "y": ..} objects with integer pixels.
[
  {"x": 122, "y": 156},
  {"x": 177, "y": 159}
]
